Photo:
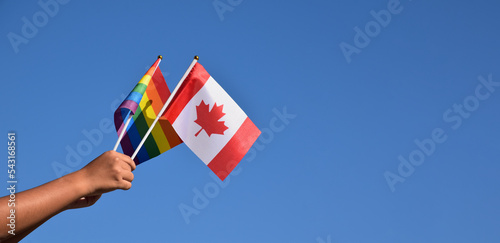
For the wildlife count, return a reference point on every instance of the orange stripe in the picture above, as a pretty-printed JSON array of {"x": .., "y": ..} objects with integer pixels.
[
  {"x": 153, "y": 67},
  {"x": 153, "y": 95},
  {"x": 158, "y": 92}
]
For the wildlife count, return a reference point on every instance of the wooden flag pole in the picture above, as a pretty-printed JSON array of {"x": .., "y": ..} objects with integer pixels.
[
  {"x": 130, "y": 115},
  {"x": 165, "y": 106}
]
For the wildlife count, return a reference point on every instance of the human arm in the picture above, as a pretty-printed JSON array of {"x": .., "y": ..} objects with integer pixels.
[{"x": 108, "y": 172}]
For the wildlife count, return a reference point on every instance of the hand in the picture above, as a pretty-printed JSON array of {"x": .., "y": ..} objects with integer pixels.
[{"x": 108, "y": 172}]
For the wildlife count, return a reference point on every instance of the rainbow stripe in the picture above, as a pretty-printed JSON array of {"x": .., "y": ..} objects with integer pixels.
[{"x": 144, "y": 103}]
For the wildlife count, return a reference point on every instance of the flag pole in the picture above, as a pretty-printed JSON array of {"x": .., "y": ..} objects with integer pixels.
[
  {"x": 122, "y": 133},
  {"x": 124, "y": 128},
  {"x": 165, "y": 106}
]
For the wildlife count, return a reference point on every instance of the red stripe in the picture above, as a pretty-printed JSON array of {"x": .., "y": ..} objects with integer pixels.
[
  {"x": 161, "y": 86},
  {"x": 192, "y": 84},
  {"x": 229, "y": 156},
  {"x": 154, "y": 97},
  {"x": 157, "y": 91}
]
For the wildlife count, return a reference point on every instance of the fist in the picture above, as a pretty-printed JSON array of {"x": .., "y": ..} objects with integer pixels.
[{"x": 108, "y": 172}]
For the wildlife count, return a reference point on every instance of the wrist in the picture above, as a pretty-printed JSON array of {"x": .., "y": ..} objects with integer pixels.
[{"x": 80, "y": 183}]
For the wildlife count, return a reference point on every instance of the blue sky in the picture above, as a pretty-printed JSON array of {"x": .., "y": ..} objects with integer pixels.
[{"x": 340, "y": 89}]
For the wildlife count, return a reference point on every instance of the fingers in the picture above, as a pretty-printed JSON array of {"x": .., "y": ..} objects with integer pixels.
[
  {"x": 127, "y": 165},
  {"x": 124, "y": 165},
  {"x": 126, "y": 159},
  {"x": 128, "y": 176},
  {"x": 125, "y": 185},
  {"x": 108, "y": 172}
]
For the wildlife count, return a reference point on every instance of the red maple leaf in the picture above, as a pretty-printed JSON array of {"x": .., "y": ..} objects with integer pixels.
[{"x": 209, "y": 120}]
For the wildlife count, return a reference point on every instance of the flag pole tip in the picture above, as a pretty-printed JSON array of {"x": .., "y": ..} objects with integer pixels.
[
  {"x": 197, "y": 57},
  {"x": 160, "y": 57}
]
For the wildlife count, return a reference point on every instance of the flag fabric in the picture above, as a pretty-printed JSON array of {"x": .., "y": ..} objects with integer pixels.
[
  {"x": 210, "y": 123},
  {"x": 144, "y": 103}
]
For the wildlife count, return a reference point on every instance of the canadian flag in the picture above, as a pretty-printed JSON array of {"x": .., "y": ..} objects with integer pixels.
[{"x": 210, "y": 123}]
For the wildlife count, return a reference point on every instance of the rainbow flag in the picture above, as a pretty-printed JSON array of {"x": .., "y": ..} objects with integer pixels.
[{"x": 143, "y": 104}]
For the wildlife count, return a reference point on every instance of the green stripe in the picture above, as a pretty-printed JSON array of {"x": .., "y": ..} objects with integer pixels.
[
  {"x": 142, "y": 127},
  {"x": 140, "y": 88}
]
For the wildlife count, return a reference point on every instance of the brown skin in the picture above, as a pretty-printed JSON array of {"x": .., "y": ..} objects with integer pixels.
[{"x": 108, "y": 172}]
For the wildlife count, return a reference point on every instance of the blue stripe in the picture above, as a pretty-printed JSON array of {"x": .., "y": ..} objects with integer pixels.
[
  {"x": 134, "y": 96},
  {"x": 135, "y": 139}
]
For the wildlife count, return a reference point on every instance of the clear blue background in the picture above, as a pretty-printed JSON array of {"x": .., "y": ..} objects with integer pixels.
[{"x": 320, "y": 178}]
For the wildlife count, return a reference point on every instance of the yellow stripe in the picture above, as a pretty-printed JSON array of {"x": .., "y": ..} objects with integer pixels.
[
  {"x": 145, "y": 79},
  {"x": 157, "y": 132}
]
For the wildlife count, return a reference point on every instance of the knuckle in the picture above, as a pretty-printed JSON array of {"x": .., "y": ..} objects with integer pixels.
[
  {"x": 108, "y": 153},
  {"x": 116, "y": 169},
  {"x": 115, "y": 172}
]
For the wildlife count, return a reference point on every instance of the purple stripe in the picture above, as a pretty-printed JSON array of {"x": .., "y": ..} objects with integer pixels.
[{"x": 128, "y": 104}]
